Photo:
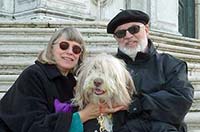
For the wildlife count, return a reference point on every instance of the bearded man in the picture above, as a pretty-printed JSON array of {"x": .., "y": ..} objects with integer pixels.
[{"x": 164, "y": 93}]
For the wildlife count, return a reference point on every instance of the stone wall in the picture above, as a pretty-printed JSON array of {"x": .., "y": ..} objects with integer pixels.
[{"x": 93, "y": 10}]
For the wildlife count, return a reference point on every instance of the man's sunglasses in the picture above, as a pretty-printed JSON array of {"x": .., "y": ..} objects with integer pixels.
[
  {"x": 133, "y": 29},
  {"x": 75, "y": 48}
]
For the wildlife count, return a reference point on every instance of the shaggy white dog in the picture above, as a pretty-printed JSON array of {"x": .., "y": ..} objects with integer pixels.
[{"x": 104, "y": 79}]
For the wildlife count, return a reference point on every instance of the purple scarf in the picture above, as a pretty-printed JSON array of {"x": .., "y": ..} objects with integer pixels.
[{"x": 62, "y": 107}]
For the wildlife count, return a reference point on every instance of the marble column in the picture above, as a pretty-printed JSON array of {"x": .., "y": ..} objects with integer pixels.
[
  {"x": 105, "y": 10},
  {"x": 143, "y": 5},
  {"x": 52, "y": 10},
  {"x": 164, "y": 16},
  {"x": 6, "y": 9}
]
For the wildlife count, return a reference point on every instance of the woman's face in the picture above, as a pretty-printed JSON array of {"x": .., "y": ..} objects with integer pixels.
[{"x": 66, "y": 54}]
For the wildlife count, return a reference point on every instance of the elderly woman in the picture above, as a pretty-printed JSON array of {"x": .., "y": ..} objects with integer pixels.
[{"x": 36, "y": 102}]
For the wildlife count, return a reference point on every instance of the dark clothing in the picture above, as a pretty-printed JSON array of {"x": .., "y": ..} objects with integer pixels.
[
  {"x": 28, "y": 104},
  {"x": 142, "y": 125},
  {"x": 164, "y": 93},
  {"x": 119, "y": 118}
]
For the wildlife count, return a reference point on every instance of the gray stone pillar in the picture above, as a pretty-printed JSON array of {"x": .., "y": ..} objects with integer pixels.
[
  {"x": 197, "y": 18},
  {"x": 143, "y": 5},
  {"x": 164, "y": 16},
  {"x": 51, "y": 10},
  {"x": 105, "y": 10},
  {"x": 6, "y": 9}
]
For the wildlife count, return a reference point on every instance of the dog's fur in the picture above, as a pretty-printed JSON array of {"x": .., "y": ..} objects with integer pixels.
[{"x": 104, "y": 79}]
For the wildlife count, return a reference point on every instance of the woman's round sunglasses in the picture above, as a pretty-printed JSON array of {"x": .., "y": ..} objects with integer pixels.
[
  {"x": 75, "y": 48},
  {"x": 133, "y": 29}
]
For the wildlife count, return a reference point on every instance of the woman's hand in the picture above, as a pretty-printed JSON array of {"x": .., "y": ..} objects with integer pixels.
[{"x": 91, "y": 111}]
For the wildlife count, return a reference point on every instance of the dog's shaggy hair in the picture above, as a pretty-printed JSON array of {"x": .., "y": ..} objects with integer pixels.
[{"x": 104, "y": 79}]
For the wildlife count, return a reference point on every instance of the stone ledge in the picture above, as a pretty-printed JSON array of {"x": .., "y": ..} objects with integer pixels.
[
  {"x": 193, "y": 118},
  {"x": 79, "y": 24}
]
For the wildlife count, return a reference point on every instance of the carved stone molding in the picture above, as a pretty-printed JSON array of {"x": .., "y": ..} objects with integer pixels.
[{"x": 102, "y": 2}]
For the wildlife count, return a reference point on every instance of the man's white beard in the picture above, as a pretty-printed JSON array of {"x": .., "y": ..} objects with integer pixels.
[{"x": 132, "y": 52}]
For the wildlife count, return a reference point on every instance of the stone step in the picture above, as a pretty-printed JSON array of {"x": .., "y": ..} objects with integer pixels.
[
  {"x": 184, "y": 56},
  {"x": 22, "y": 46},
  {"x": 175, "y": 40},
  {"x": 193, "y": 119},
  {"x": 44, "y": 40},
  {"x": 27, "y": 58},
  {"x": 10, "y": 62},
  {"x": 95, "y": 40},
  {"x": 46, "y": 32},
  {"x": 20, "y": 43},
  {"x": 177, "y": 48},
  {"x": 9, "y": 79},
  {"x": 36, "y": 33},
  {"x": 53, "y": 24}
]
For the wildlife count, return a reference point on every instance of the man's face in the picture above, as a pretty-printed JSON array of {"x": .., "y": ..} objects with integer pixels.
[{"x": 132, "y": 37}]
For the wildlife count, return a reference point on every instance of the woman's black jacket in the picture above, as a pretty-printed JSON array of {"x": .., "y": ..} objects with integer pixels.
[{"x": 28, "y": 104}]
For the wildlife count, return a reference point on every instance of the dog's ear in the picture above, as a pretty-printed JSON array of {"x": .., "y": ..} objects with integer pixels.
[{"x": 78, "y": 97}]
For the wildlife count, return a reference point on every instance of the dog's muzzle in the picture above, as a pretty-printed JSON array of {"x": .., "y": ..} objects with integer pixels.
[{"x": 98, "y": 90}]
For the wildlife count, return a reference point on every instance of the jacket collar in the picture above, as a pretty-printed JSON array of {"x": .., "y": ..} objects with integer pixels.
[
  {"x": 140, "y": 57},
  {"x": 50, "y": 70}
]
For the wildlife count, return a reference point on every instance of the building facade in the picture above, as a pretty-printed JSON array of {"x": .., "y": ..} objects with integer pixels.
[{"x": 179, "y": 17}]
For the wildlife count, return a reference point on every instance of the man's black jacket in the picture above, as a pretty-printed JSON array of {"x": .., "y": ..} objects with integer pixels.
[{"x": 161, "y": 80}]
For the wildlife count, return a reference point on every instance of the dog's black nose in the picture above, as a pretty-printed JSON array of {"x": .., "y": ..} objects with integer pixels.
[{"x": 98, "y": 82}]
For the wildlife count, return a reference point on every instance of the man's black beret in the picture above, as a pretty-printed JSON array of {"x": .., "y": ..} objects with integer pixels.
[{"x": 126, "y": 16}]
